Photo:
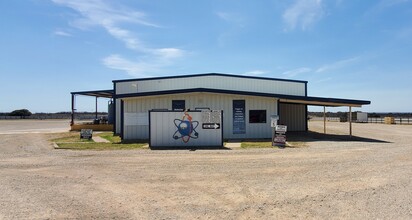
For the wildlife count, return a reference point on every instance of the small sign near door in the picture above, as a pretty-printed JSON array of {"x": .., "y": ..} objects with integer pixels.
[
  {"x": 279, "y": 139},
  {"x": 86, "y": 134},
  {"x": 274, "y": 120}
]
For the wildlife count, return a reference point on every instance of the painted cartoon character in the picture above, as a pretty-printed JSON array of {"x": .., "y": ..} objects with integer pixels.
[{"x": 186, "y": 128}]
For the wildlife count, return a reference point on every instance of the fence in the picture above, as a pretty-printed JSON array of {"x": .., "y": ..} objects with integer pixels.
[
  {"x": 54, "y": 116},
  {"x": 400, "y": 121},
  {"x": 334, "y": 119}
]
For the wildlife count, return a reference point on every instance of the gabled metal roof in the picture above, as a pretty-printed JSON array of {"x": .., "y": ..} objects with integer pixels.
[
  {"x": 209, "y": 74},
  {"x": 96, "y": 93}
]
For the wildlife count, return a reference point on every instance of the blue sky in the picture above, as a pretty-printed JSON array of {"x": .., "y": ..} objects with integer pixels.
[{"x": 344, "y": 48}]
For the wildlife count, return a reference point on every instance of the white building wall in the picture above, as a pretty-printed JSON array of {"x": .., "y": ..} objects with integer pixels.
[
  {"x": 212, "y": 82},
  {"x": 213, "y": 101}
]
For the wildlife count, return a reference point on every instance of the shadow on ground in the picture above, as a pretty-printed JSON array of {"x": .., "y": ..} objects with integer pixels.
[
  {"x": 311, "y": 136},
  {"x": 189, "y": 148}
]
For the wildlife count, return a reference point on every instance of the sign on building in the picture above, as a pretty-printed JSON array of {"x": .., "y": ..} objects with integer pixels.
[
  {"x": 239, "y": 117},
  {"x": 185, "y": 129}
]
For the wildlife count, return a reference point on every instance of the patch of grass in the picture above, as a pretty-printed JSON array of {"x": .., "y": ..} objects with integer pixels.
[
  {"x": 256, "y": 145},
  {"x": 72, "y": 141},
  {"x": 101, "y": 146},
  {"x": 268, "y": 144},
  {"x": 109, "y": 136},
  {"x": 70, "y": 138}
]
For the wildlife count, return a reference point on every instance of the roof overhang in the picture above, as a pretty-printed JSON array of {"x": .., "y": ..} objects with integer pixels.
[
  {"x": 96, "y": 93},
  {"x": 306, "y": 100},
  {"x": 329, "y": 103}
]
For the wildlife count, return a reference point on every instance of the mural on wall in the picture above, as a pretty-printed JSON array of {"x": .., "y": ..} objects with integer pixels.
[{"x": 186, "y": 128}]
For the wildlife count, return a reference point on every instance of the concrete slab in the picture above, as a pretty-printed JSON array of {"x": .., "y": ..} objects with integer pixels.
[
  {"x": 233, "y": 144},
  {"x": 100, "y": 139}
]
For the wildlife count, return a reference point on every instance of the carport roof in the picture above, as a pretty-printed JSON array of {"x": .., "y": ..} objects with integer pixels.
[
  {"x": 307, "y": 100},
  {"x": 96, "y": 93}
]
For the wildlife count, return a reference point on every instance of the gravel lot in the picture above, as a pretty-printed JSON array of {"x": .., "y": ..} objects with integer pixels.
[{"x": 332, "y": 178}]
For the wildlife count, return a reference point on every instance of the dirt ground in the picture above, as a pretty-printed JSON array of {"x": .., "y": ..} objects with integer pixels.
[{"x": 369, "y": 178}]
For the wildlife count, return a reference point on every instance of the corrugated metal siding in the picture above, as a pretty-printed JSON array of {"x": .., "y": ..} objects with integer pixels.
[
  {"x": 212, "y": 82},
  {"x": 210, "y": 100},
  {"x": 293, "y": 115}
]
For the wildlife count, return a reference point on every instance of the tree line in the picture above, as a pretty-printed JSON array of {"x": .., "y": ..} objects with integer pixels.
[{"x": 370, "y": 114}]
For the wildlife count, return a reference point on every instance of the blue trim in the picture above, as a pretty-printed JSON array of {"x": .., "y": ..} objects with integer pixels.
[
  {"x": 97, "y": 93},
  {"x": 306, "y": 89},
  {"x": 208, "y": 74},
  {"x": 235, "y": 92},
  {"x": 115, "y": 109}
]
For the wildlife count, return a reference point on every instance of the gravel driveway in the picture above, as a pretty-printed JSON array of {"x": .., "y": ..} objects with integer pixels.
[{"x": 332, "y": 178}]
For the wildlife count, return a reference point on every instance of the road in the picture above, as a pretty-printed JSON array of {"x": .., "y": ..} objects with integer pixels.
[{"x": 369, "y": 178}]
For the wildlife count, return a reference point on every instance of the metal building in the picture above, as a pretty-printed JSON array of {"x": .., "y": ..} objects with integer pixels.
[{"x": 247, "y": 102}]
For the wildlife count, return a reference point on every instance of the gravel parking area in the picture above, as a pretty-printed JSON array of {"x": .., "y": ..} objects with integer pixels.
[
  {"x": 33, "y": 126},
  {"x": 369, "y": 178}
]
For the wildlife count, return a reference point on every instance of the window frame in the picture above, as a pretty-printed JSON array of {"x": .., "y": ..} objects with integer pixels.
[
  {"x": 259, "y": 116},
  {"x": 178, "y": 101}
]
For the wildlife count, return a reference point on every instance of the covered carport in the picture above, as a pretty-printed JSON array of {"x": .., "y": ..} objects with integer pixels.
[
  {"x": 96, "y": 93},
  {"x": 326, "y": 102}
]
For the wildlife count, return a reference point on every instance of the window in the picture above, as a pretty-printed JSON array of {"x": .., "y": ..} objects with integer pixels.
[
  {"x": 178, "y": 105},
  {"x": 257, "y": 116}
]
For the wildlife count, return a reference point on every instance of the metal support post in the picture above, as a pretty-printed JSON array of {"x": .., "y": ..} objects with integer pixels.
[
  {"x": 96, "y": 108},
  {"x": 350, "y": 121},
  {"x": 324, "y": 119},
  {"x": 72, "y": 115}
]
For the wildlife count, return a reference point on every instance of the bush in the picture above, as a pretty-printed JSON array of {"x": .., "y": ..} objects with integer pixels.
[{"x": 20, "y": 112}]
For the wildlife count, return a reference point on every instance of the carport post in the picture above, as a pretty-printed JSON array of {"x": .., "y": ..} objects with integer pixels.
[
  {"x": 96, "y": 108},
  {"x": 324, "y": 119},
  {"x": 72, "y": 115},
  {"x": 350, "y": 121}
]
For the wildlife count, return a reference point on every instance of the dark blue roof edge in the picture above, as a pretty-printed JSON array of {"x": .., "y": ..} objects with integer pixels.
[
  {"x": 101, "y": 93},
  {"x": 234, "y": 92},
  {"x": 209, "y": 74}
]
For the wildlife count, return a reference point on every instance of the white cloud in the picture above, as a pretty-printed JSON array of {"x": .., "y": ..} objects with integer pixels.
[
  {"x": 99, "y": 13},
  {"x": 294, "y": 72},
  {"x": 169, "y": 53},
  {"x": 255, "y": 72},
  {"x": 303, "y": 14},
  {"x": 143, "y": 67},
  {"x": 136, "y": 69},
  {"x": 337, "y": 65},
  {"x": 62, "y": 33}
]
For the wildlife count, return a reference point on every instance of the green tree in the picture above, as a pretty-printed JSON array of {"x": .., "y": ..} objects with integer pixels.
[{"x": 20, "y": 112}]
